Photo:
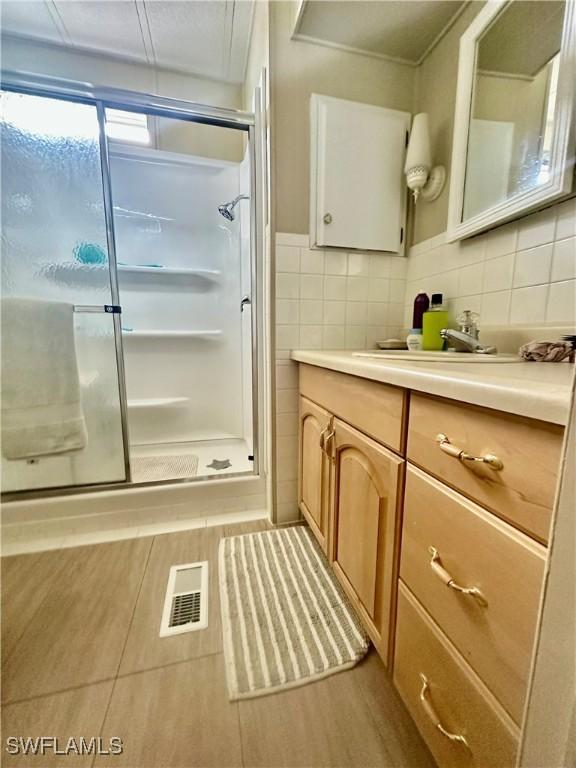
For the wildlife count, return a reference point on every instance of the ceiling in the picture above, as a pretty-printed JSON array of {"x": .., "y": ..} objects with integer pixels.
[
  {"x": 401, "y": 29},
  {"x": 523, "y": 39},
  {"x": 209, "y": 38}
]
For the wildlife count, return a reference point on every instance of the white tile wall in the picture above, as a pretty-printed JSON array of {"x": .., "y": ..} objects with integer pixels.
[
  {"x": 349, "y": 299},
  {"x": 521, "y": 273},
  {"x": 325, "y": 300}
]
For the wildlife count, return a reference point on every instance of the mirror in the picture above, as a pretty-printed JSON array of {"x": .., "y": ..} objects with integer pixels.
[{"x": 508, "y": 156}]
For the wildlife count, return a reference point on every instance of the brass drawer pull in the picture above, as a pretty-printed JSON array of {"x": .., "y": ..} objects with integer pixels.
[
  {"x": 430, "y": 711},
  {"x": 446, "y": 578},
  {"x": 452, "y": 450}
]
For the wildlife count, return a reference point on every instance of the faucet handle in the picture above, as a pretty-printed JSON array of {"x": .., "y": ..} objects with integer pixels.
[{"x": 468, "y": 322}]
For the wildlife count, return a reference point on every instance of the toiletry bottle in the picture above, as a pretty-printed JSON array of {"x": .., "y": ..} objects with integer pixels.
[
  {"x": 414, "y": 340},
  {"x": 421, "y": 304},
  {"x": 434, "y": 320}
]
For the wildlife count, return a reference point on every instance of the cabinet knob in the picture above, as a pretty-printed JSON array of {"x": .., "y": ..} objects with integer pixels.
[{"x": 327, "y": 218}]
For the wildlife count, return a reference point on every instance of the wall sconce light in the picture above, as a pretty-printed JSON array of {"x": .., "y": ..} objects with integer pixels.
[{"x": 424, "y": 180}]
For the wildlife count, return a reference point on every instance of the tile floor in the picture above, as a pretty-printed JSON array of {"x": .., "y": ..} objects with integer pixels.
[{"x": 81, "y": 656}]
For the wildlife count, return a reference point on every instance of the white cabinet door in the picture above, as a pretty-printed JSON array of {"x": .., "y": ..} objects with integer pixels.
[{"x": 358, "y": 191}]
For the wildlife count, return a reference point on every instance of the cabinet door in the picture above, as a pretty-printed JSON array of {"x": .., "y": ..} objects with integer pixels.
[
  {"x": 314, "y": 471},
  {"x": 365, "y": 505},
  {"x": 358, "y": 190}
]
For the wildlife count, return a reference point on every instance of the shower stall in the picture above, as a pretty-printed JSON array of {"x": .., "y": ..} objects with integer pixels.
[{"x": 138, "y": 215}]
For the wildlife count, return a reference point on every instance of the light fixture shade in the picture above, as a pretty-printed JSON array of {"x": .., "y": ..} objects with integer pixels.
[{"x": 419, "y": 154}]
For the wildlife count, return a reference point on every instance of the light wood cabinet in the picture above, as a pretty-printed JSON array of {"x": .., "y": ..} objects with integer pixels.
[
  {"x": 358, "y": 441},
  {"x": 364, "y": 515},
  {"x": 314, "y": 471},
  {"x": 378, "y": 410},
  {"x": 494, "y": 629},
  {"x": 440, "y": 689},
  {"x": 522, "y": 490}
]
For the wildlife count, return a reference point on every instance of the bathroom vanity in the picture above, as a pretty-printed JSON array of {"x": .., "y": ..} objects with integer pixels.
[{"x": 430, "y": 488}]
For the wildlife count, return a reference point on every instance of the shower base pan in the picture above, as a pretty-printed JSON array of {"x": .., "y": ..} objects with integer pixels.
[{"x": 171, "y": 461}]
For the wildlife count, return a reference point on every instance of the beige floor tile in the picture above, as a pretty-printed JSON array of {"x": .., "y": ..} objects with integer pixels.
[
  {"x": 75, "y": 713},
  {"x": 26, "y": 580},
  {"x": 396, "y": 727},
  {"x": 80, "y": 627},
  {"x": 251, "y": 526},
  {"x": 145, "y": 649},
  {"x": 175, "y": 717},
  {"x": 326, "y": 723}
]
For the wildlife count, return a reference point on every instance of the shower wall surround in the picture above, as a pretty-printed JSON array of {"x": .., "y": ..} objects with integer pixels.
[{"x": 166, "y": 207}]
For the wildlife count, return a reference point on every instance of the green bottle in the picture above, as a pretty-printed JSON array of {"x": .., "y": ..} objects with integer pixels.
[{"x": 434, "y": 320}]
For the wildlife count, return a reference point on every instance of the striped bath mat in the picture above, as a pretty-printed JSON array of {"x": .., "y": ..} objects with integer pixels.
[{"x": 285, "y": 619}]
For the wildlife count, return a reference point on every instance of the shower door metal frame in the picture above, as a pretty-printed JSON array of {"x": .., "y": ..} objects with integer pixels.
[{"x": 102, "y": 97}]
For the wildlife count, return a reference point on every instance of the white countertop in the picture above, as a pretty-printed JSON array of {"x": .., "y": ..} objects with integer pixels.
[{"x": 537, "y": 390}]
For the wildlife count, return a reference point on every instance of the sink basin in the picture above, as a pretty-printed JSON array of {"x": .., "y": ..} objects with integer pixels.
[{"x": 436, "y": 357}]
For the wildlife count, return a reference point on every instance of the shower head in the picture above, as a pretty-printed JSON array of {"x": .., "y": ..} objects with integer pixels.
[{"x": 227, "y": 210}]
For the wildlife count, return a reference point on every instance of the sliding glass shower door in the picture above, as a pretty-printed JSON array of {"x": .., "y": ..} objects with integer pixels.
[
  {"x": 61, "y": 407},
  {"x": 181, "y": 201}
]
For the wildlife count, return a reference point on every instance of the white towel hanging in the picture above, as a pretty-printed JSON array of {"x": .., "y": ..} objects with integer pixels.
[{"x": 41, "y": 397}]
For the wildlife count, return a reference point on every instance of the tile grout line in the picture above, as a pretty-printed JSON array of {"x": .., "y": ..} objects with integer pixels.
[
  {"x": 241, "y": 740},
  {"x": 167, "y": 665},
  {"x": 46, "y": 694},
  {"x": 113, "y": 688},
  {"x": 78, "y": 687}
]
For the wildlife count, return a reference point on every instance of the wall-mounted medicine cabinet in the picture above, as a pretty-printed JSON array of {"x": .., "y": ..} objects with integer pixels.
[
  {"x": 357, "y": 186},
  {"x": 513, "y": 149}
]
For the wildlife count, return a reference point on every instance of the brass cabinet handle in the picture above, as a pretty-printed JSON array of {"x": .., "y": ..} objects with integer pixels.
[
  {"x": 323, "y": 436},
  {"x": 428, "y": 707},
  {"x": 446, "y": 578},
  {"x": 327, "y": 447},
  {"x": 452, "y": 450}
]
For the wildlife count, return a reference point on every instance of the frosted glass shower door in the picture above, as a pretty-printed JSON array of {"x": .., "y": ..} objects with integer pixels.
[{"x": 54, "y": 247}]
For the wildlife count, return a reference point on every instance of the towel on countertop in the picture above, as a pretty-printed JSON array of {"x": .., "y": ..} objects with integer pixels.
[
  {"x": 547, "y": 351},
  {"x": 41, "y": 401}
]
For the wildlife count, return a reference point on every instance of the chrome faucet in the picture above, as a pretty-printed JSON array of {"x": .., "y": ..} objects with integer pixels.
[{"x": 465, "y": 339}]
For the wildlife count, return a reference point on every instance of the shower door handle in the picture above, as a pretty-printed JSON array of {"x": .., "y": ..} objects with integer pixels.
[{"x": 246, "y": 301}]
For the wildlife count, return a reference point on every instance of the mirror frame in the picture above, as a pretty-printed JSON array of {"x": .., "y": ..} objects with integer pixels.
[{"x": 563, "y": 150}]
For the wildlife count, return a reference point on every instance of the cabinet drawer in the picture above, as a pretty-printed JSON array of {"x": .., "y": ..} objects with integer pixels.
[
  {"x": 374, "y": 408},
  {"x": 522, "y": 491},
  {"x": 455, "y": 697},
  {"x": 476, "y": 549}
]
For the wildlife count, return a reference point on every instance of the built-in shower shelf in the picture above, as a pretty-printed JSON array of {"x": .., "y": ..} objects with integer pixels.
[
  {"x": 156, "y": 402},
  {"x": 173, "y": 271},
  {"x": 80, "y": 274},
  {"x": 144, "y": 333}
]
